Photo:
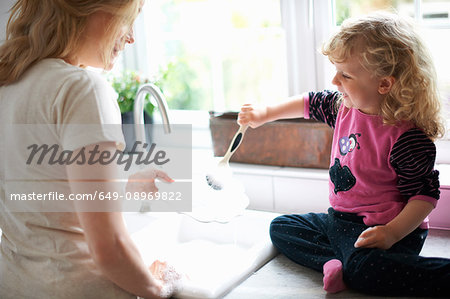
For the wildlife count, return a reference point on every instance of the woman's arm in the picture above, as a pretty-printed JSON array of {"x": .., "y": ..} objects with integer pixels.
[
  {"x": 384, "y": 236},
  {"x": 110, "y": 245},
  {"x": 116, "y": 255}
]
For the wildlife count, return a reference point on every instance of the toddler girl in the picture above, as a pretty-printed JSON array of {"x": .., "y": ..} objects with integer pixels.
[{"x": 382, "y": 183}]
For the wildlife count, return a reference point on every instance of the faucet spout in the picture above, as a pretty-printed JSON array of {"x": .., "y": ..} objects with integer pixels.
[{"x": 139, "y": 103}]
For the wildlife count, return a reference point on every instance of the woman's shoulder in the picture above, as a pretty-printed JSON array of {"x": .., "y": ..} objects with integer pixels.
[
  {"x": 55, "y": 70},
  {"x": 57, "y": 78}
]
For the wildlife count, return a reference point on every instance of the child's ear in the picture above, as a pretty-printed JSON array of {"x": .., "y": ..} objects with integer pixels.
[{"x": 386, "y": 84}]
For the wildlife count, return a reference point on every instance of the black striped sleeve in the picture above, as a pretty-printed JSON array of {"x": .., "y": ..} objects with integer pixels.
[
  {"x": 413, "y": 156},
  {"x": 322, "y": 106}
]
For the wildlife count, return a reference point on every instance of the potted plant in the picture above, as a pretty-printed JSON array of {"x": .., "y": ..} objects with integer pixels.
[{"x": 127, "y": 85}]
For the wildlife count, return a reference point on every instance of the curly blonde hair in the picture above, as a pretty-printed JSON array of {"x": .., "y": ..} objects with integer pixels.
[
  {"x": 389, "y": 45},
  {"x": 54, "y": 29}
]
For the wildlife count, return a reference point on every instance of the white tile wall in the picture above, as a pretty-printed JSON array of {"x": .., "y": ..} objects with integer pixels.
[
  {"x": 284, "y": 190},
  {"x": 259, "y": 189},
  {"x": 301, "y": 190},
  {"x": 300, "y": 195}
]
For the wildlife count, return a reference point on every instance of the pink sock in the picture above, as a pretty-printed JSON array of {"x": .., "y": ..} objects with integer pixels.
[{"x": 333, "y": 281}]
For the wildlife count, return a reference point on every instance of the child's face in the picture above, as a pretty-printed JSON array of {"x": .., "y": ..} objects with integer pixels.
[{"x": 359, "y": 88}]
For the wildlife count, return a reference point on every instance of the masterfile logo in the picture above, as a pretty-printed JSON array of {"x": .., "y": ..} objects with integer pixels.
[
  {"x": 54, "y": 155},
  {"x": 35, "y": 159}
]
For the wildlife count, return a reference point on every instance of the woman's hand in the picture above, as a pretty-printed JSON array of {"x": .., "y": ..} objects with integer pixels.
[
  {"x": 168, "y": 279},
  {"x": 144, "y": 180},
  {"x": 376, "y": 237},
  {"x": 252, "y": 116}
]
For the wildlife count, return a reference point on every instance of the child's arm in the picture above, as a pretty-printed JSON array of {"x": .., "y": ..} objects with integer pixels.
[
  {"x": 253, "y": 116},
  {"x": 384, "y": 236},
  {"x": 413, "y": 157}
]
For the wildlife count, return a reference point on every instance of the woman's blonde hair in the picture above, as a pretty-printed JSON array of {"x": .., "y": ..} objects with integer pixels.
[
  {"x": 39, "y": 29},
  {"x": 389, "y": 45}
]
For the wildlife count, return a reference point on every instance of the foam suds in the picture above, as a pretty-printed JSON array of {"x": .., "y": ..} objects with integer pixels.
[
  {"x": 171, "y": 278},
  {"x": 205, "y": 256},
  {"x": 219, "y": 177},
  {"x": 172, "y": 282},
  {"x": 222, "y": 205}
]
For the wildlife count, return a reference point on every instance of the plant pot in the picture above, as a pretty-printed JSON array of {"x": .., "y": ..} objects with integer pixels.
[
  {"x": 291, "y": 143},
  {"x": 128, "y": 130}
]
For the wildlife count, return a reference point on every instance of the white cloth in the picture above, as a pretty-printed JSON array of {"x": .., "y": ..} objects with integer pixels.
[{"x": 45, "y": 255}]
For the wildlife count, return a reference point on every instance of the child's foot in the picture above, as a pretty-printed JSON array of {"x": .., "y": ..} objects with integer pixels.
[{"x": 333, "y": 281}]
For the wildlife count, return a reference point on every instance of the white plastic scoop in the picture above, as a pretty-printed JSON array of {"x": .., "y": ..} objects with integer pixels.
[{"x": 218, "y": 177}]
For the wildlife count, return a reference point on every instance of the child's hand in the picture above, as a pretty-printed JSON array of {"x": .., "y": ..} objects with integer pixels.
[
  {"x": 376, "y": 237},
  {"x": 252, "y": 116}
]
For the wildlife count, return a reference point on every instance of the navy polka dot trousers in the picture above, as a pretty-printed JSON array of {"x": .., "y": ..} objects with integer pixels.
[{"x": 313, "y": 239}]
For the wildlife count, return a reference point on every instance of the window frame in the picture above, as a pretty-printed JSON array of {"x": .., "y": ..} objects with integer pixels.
[{"x": 307, "y": 24}]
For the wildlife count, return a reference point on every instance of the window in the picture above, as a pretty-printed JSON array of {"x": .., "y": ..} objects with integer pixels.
[
  {"x": 214, "y": 54},
  {"x": 218, "y": 54},
  {"x": 346, "y": 8}
]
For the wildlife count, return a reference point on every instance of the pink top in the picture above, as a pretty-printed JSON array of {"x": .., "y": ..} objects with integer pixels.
[{"x": 362, "y": 142}]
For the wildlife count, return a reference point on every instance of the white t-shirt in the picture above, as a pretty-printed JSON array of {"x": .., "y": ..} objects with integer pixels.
[{"x": 45, "y": 255}]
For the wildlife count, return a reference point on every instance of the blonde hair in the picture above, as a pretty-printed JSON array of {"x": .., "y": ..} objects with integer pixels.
[
  {"x": 388, "y": 45},
  {"x": 54, "y": 29}
]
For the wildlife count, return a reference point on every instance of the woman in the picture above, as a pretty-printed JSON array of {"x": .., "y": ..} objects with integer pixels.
[{"x": 43, "y": 80}]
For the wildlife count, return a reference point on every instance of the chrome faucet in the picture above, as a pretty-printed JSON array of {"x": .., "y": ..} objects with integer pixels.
[{"x": 139, "y": 103}]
